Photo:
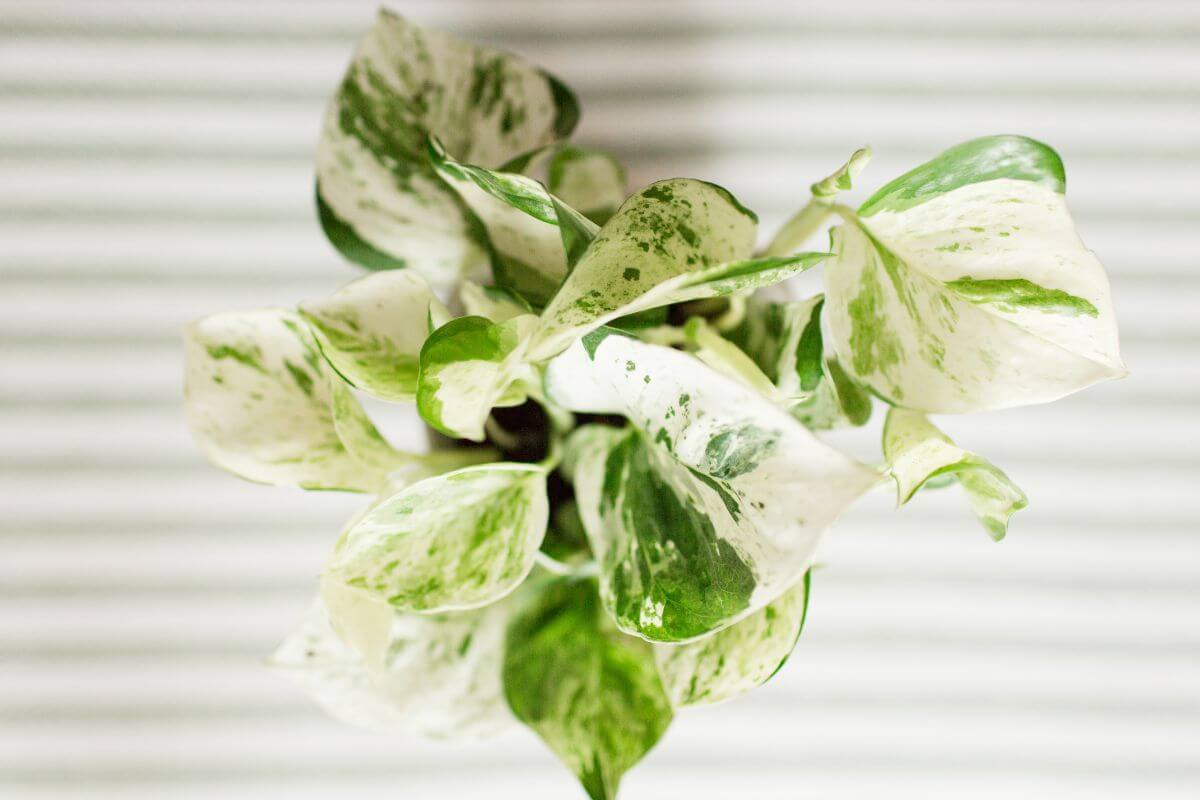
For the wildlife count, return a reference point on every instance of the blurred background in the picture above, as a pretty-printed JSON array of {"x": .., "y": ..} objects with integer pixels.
[{"x": 156, "y": 165}]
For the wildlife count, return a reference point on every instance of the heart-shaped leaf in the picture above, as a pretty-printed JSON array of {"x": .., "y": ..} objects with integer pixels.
[
  {"x": 380, "y": 201},
  {"x": 455, "y": 541},
  {"x": 711, "y": 506},
  {"x": 963, "y": 286},
  {"x": 590, "y": 692}
]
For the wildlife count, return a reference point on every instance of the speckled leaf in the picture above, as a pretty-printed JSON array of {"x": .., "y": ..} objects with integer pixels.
[
  {"x": 667, "y": 229},
  {"x": 468, "y": 367},
  {"x": 589, "y": 180},
  {"x": 433, "y": 674},
  {"x": 372, "y": 330},
  {"x": 742, "y": 657},
  {"x": 963, "y": 285},
  {"x": 260, "y": 403},
  {"x": 455, "y": 541},
  {"x": 590, "y": 692},
  {"x": 712, "y": 505},
  {"x": 919, "y": 454},
  {"x": 380, "y": 201},
  {"x": 532, "y": 234}
]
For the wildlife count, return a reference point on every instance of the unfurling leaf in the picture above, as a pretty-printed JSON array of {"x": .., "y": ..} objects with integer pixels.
[
  {"x": 455, "y": 541},
  {"x": 963, "y": 286},
  {"x": 737, "y": 659},
  {"x": 468, "y": 367},
  {"x": 711, "y": 506},
  {"x": 380, "y": 201},
  {"x": 372, "y": 330},
  {"x": 590, "y": 692},
  {"x": 918, "y": 454}
]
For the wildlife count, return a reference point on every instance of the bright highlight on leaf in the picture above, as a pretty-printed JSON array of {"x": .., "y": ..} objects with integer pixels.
[
  {"x": 919, "y": 453},
  {"x": 733, "y": 661}
]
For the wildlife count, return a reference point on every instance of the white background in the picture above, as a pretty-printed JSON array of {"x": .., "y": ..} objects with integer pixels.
[{"x": 156, "y": 165}]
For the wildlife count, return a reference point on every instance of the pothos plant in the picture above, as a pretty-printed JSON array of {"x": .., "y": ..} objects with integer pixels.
[{"x": 625, "y": 493}]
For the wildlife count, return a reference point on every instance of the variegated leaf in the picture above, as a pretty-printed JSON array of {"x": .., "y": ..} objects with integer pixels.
[
  {"x": 919, "y": 454},
  {"x": 590, "y": 692},
  {"x": 737, "y": 659},
  {"x": 533, "y": 234},
  {"x": 380, "y": 201},
  {"x": 667, "y": 229},
  {"x": 260, "y": 403},
  {"x": 808, "y": 220},
  {"x": 470, "y": 366},
  {"x": 433, "y": 674},
  {"x": 456, "y": 541},
  {"x": 372, "y": 330},
  {"x": 963, "y": 286},
  {"x": 711, "y": 506},
  {"x": 589, "y": 180}
]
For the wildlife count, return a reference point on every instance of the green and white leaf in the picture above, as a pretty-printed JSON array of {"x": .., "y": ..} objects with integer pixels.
[
  {"x": 433, "y": 674},
  {"x": 451, "y": 542},
  {"x": 491, "y": 302},
  {"x": 590, "y": 692},
  {"x": 470, "y": 366},
  {"x": 260, "y": 403},
  {"x": 667, "y": 229},
  {"x": 589, "y": 180},
  {"x": 963, "y": 286},
  {"x": 531, "y": 250},
  {"x": 919, "y": 454},
  {"x": 380, "y": 201},
  {"x": 372, "y": 330},
  {"x": 737, "y": 659},
  {"x": 711, "y": 506}
]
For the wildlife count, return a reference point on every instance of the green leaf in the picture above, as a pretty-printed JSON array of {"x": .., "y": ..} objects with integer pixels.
[
  {"x": 919, "y": 454},
  {"x": 433, "y": 674},
  {"x": 991, "y": 158},
  {"x": 737, "y": 659},
  {"x": 260, "y": 403},
  {"x": 963, "y": 286},
  {"x": 455, "y": 541},
  {"x": 667, "y": 229},
  {"x": 591, "y": 693},
  {"x": 532, "y": 248},
  {"x": 589, "y": 180},
  {"x": 712, "y": 506},
  {"x": 371, "y": 331},
  {"x": 380, "y": 201},
  {"x": 468, "y": 367}
]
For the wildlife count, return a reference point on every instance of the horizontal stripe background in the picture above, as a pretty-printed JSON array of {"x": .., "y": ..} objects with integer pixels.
[{"x": 155, "y": 159}]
